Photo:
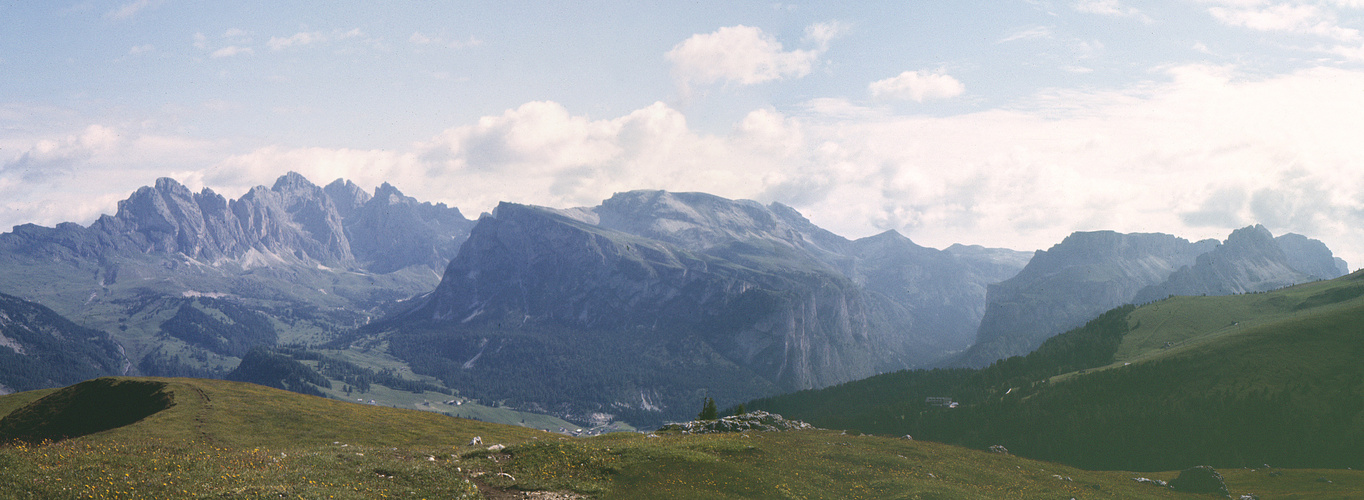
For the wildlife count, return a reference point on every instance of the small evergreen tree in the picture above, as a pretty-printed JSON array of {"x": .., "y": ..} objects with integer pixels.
[
  {"x": 740, "y": 410},
  {"x": 708, "y": 411}
]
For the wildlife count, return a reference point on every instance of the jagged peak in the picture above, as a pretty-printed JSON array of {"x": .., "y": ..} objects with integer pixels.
[
  {"x": 390, "y": 195},
  {"x": 292, "y": 181},
  {"x": 169, "y": 184},
  {"x": 1255, "y": 233}
]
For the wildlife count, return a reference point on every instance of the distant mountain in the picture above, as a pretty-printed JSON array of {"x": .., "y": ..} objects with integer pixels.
[
  {"x": 39, "y": 348},
  {"x": 1075, "y": 280},
  {"x": 1089, "y": 273},
  {"x": 389, "y": 231},
  {"x": 1228, "y": 381},
  {"x": 189, "y": 282},
  {"x": 639, "y": 305},
  {"x": 1251, "y": 260}
]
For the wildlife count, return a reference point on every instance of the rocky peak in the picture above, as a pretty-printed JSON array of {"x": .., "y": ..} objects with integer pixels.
[
  {"x": 391, "y": 231},
  {"x": 346, "y": 197},
  {"x": 294, "y": 220},
  {"x": 1311, "y": 256},
  {"x": 1250, "y": 260},
  {"x": 1075, "y": 280},
  {"x": 698, "y": 221},
  {"x": 292, "y": 181}
]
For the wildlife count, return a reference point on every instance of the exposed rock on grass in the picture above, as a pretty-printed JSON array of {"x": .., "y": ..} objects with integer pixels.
[{"x": 751, "y": 421}]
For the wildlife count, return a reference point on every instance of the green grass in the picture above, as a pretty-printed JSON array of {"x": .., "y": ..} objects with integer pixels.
[
  {"x": 232, "y": 440},
  {"x": 1189, "y": 322},
  {"x": 1231, "y": 381}
]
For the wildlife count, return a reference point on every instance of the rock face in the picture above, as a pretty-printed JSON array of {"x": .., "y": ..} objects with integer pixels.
[
  {"x": 752, "y": 421},
  {"x": 1200, "y": 479},
  {"x": 1251, "y": 260},
  {"x": 1089, "y": 273},
  {"x": 757, "y": 290}
]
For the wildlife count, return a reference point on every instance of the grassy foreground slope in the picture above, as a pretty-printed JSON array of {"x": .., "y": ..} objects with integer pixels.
[
  {"x": 1238, "y": 381},
  {"x": 232, "y": 440}
]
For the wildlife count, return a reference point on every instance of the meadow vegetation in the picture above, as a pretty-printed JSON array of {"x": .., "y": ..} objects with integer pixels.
[{"x": 233, "y": 440}]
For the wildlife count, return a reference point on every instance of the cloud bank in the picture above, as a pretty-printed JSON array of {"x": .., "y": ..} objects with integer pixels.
[{"x": 1197, "y": 152}]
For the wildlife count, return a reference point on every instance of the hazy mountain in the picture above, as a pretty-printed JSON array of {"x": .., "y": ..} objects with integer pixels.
[
  {"x": 1089, "y": 273},
  {"x": 390, "y": 231},
  {"x": 1063, "y": 287},
  {"x": 652, "y": 298},
  {"x": 291, "y": 263},
  {"x": 1250, "y": 260}
]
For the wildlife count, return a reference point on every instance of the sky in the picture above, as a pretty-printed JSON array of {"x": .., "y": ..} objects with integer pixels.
[{"x": 1004, "y": 123}]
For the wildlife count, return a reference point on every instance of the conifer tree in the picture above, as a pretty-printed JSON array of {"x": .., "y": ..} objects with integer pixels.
[{"x": 708, "y": 411}]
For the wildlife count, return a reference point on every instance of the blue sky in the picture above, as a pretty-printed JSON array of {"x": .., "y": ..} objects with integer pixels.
[{"x": 1003, "y": 123}]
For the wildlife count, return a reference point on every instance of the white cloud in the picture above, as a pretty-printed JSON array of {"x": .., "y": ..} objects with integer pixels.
[
  {"x": 418, "y": 38},
  {"x": 311, "y": 37},
  {"x": 917, "y": 86},
  {"x": 130, "y": 9},
  {"x": 742, "y": 54},
  {"x": 141, "y": 49},
  {"x": 1029, "y": 33},
  {"x": 1108, "y": 8},
  {"x": 77, "y": 176},
  {"x": 1196, "y": 153},
  {"x": 823, "y": 33},
  {"x": 301, "y": 38},
  {"x": 200, "y": 41},
  {"x": 231, "y": 50},
  {"x": 1304, "y": 19}
]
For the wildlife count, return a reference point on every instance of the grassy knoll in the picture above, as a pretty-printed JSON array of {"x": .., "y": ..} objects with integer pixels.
[{"x": 232, "y": 440}]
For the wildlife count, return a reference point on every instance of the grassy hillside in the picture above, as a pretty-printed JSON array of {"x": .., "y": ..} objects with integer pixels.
[
  {"x": 224, "y": 439},
  {"x": 1234, "y": 381}
]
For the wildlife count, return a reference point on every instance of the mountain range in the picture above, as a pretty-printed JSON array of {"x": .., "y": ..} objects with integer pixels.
[
  {"x": 647, "y": 302},
  {"x": 1091, "y": 272},
  {"x": 187, "y": 282},
  {"x": 634, "y": 309}
]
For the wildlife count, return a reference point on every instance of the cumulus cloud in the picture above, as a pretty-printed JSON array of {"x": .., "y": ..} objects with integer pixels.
[
  {"x": 1196, "y": 151},
  {"x": 1307, "y": 19},
  {"x": 917, "y": 86},
  {"x": 77, "y": 176},
  {"x": 823, "y": 33},
  {"x": 744, "y": 55}
]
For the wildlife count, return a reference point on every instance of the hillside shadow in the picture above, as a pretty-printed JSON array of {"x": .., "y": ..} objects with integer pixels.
[{"x": 85, "y": 408}]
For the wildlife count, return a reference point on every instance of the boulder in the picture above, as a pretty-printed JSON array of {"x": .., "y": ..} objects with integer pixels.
[
  {"x": 1200, "y": 479},
  {"x": 999, "y": 449}
]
